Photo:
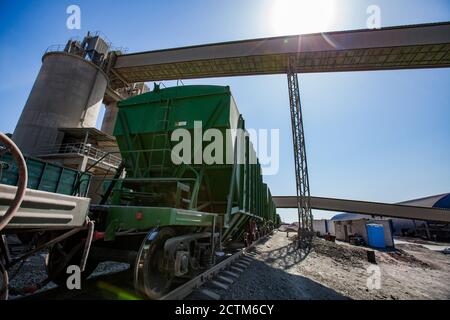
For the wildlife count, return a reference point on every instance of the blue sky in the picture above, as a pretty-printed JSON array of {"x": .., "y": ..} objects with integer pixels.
[{"x": 380, "y": 136}]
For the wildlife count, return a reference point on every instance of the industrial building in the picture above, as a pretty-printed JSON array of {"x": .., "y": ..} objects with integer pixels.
[
  {"x": 427, "y": 229},
  {"x": 323, "y": 227},
  {"x": 357, "y": 230},
  {"x": 367, "y": 229},
  {"x": 346, "y": 225},
  {"x": 58, "y": 121},
  {"x": 159, "y": 207}
]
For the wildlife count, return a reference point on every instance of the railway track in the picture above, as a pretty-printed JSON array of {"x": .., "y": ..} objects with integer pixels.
[{"x": 119, "y": 285}]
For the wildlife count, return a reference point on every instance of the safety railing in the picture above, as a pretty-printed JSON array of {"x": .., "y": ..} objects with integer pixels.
[{"x": 83, "y": 149}]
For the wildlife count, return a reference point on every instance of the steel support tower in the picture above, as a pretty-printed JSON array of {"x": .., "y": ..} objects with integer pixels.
[{"x": 305, "y": 218}]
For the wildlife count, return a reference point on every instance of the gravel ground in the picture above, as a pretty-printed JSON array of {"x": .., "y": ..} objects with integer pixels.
[
  {"x": 339, "y": 271},
  {"x": 33, "y": 272},
  {"x": 329, "y": 271}
]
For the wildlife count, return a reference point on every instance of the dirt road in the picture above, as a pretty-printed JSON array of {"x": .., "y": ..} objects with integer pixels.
[{"x": 340, "y": 271}]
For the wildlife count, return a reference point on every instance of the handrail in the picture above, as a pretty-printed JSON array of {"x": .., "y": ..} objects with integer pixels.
[
  {"x": 197, "y": 175},
  {"x": 55, "y": 48}
]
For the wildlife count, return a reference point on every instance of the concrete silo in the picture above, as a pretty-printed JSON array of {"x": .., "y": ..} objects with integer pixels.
[{"x": 68, "y": 92}]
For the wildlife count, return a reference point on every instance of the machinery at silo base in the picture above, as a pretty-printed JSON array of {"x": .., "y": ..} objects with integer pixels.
[{"x": 167, "y": 214}]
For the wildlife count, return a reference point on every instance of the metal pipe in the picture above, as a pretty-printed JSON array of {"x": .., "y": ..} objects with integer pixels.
[
  {"x": 22, "y": 184},
  {"x": 87, "y": 245}
]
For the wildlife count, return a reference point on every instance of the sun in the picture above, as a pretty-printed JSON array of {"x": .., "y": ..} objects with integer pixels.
[{"x": 302, "y": 16}]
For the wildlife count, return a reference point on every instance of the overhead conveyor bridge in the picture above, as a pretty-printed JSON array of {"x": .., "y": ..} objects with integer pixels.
[
  {"x": 370, "y": 208},
  {"x": 404, "y": 47}
]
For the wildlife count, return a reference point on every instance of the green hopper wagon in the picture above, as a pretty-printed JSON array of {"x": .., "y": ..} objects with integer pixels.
[{"x": 189, "y": 179}]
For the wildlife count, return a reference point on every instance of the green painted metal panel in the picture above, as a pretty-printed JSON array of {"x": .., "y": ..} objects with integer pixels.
[
  {"x": 45, "y": 176},
  {"x": 145, "y": 124},
  {"x": 144, "y": 218},
  {"x": 186, "y": 103}
]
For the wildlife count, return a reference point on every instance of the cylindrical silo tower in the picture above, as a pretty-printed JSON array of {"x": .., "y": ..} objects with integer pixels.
[{"x": 68, "y": 92}]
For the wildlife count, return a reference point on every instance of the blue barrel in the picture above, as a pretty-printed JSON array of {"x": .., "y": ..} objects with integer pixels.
[{"x": 375, "y": 234}]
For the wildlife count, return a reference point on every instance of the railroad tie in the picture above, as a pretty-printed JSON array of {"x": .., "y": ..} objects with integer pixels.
[
  {"x": 209, "y": 294},
  {"x": 219, "y": 285},
  {"x": 232, "y": 274},
  {"x": 226, "y": 279},
  {"x": 237, "y": 269},
  {"x": 241, "y": 265}
]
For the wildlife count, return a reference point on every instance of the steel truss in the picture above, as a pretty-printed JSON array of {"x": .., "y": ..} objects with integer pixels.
[{"x": 305, "y": 218}]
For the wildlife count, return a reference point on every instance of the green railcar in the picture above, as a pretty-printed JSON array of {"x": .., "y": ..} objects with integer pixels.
[
  {"x": 230, "y": 188},
  {"x": 190, "y": 178}
]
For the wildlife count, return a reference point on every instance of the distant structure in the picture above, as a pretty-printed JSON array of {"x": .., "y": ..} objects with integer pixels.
[
  {"x": 59, "y": 118},
  {"x": 408, "y": 227},
  {"x": 68, "y": 93}
]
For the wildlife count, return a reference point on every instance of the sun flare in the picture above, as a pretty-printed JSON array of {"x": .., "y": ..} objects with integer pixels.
[{"x": 302, "y": 16}]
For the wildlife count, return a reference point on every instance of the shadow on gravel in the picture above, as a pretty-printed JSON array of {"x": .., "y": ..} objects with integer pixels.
[
  {"x": 286, "y": 256},
  {"x": 264, "y": 282}
]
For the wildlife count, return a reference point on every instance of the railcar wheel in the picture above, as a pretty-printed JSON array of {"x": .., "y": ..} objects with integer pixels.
[{"x": 152, "y": 276}]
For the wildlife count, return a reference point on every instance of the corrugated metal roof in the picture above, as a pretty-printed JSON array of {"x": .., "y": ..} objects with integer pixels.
[
  {"x": 349, "y": 216},
  {"x": 436, "y": 201}
]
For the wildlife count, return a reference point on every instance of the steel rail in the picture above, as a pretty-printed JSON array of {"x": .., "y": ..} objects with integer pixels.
[
  {"x": 187, "y": 288},
  {"x": 397, "y": 210}
]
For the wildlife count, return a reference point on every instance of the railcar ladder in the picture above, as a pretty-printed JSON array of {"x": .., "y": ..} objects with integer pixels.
[
  {"x": 305, "y": 229},
  {"x": 165, "y": 136}
]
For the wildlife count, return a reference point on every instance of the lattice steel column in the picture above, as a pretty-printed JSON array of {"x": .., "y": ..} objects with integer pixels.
[{"x": 301, "y": 165}]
